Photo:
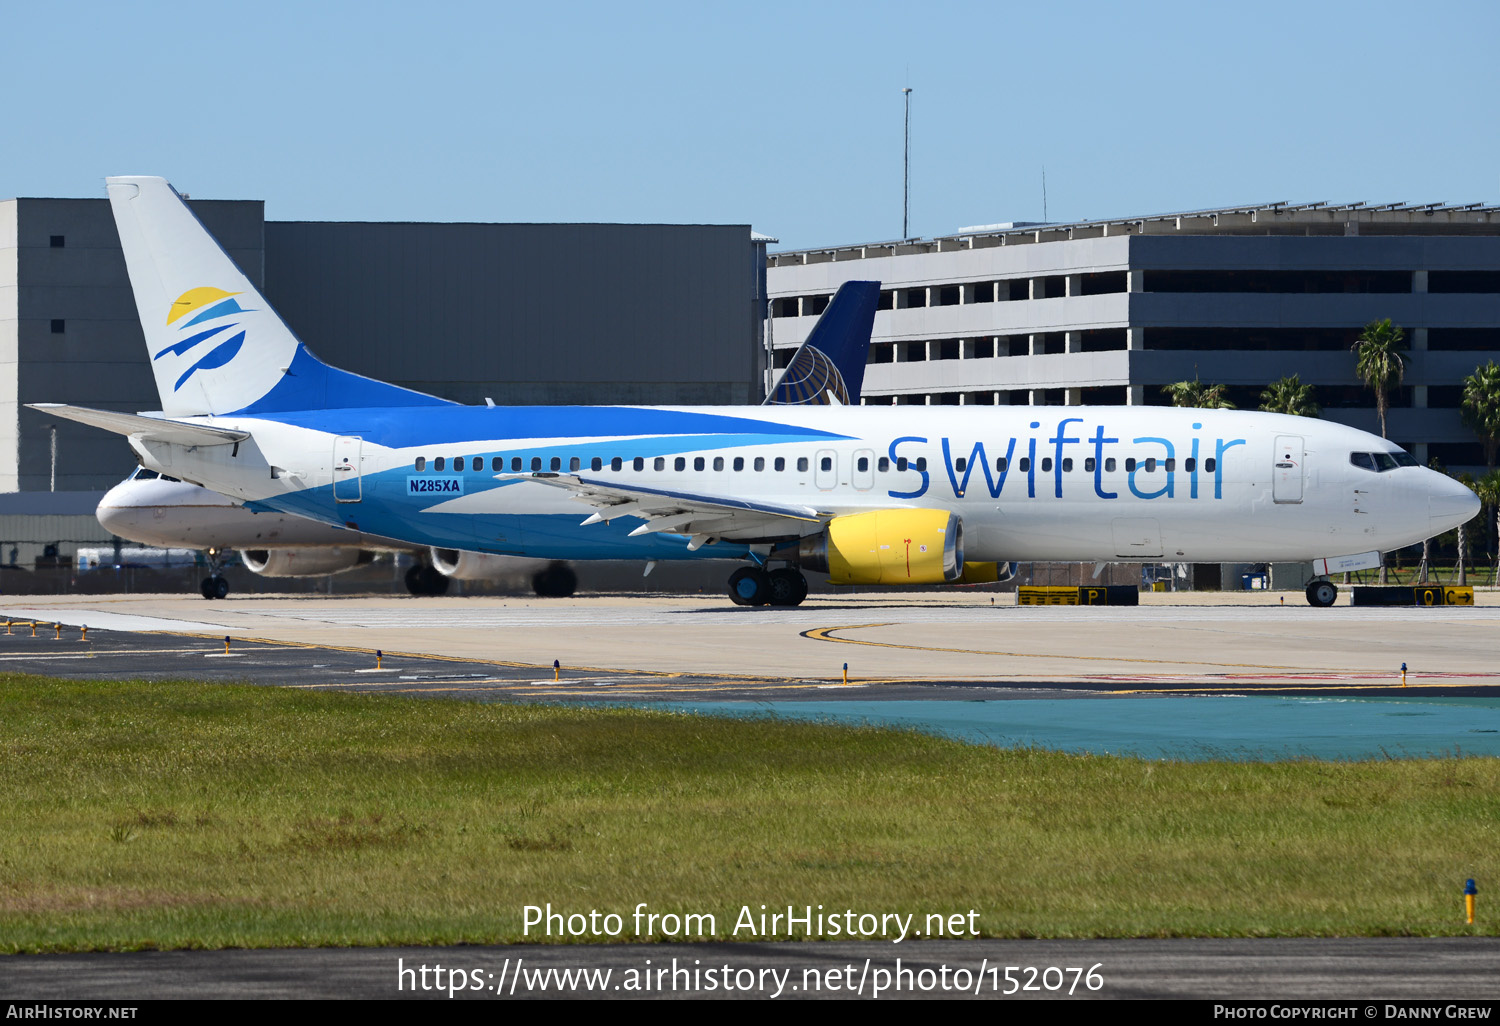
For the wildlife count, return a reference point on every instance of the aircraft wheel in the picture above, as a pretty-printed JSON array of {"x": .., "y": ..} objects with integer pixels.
[
  {"x": 433, "y": 582},
  {"x": 1322, "y": 593},
  {"x": 749, "y": 586},
  {"x": 414, "y": 582},
  {"x": 425, "y": 580},
  {"x": 788, "y": 587},
  {"x": 214, "y": 587},
  {"x": 557, "y": 581},
  {"x": 206, "y": 587}
]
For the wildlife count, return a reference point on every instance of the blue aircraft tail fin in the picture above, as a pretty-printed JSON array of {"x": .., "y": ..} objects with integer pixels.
[
  {"x": 829, "y": 368},
  {"x": 216, "y": 346}
]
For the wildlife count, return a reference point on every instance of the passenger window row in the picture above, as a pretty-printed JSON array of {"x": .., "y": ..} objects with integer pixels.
[
  {"x": 758, "y": 464},
  {"x": 536, "y": 464},
  {"x": 1149, "y": 465}
]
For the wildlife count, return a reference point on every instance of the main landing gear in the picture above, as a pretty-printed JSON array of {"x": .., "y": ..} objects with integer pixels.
[
  {"x": 424, "y": 579},
  {"x": 1321, "y": 593},
  {"x": 557, "y": 581},
  {"x": 214, "y": 586},
  {"x": 752, "y": 586}
]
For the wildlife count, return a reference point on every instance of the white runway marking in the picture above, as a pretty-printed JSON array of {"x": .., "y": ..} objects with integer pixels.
[
  {"x": 90, "y": 655},
  {"x": 98, "y": 619}
]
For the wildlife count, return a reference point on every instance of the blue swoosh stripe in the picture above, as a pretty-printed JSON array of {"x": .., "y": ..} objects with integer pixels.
[
  {"x": 224, "y": 309},
  {"x": 179, "y": 348},
  {"x": 450, "y": 426},
  {"x": 218, "y": 358}
]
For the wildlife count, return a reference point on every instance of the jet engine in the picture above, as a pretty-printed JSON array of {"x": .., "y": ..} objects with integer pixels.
[
  {"x": 550, "y": 579},
  {"x": 310, "y": 562},
  {"x": 481, "y": 566},
  {"x": 987, "y": 573},
  {"x": 888, "y": 546}
]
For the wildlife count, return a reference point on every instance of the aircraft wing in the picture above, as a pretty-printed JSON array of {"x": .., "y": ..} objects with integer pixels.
[
  {"x": 150, "y": 429},
  {"x": 701, "y": 517}
]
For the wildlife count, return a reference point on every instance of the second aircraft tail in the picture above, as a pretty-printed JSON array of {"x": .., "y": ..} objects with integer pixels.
[{"x": 829, "y": 368}]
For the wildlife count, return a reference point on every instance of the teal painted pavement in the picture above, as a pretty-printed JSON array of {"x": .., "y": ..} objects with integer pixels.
[{"x": 1252, "y": 728}]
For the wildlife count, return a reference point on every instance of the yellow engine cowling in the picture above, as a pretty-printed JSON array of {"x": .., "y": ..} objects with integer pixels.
[
  {"x": 888, "y": 546},
  {"x": 986, "y": 573}
]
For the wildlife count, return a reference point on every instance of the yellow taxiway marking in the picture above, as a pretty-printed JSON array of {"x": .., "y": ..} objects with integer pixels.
[{"x": 826, "y": 634}]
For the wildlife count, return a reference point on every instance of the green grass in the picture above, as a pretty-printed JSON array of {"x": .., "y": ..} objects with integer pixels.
[
  {"x": 137, "y": 815},
  {"x": 1480, "y": 575}
]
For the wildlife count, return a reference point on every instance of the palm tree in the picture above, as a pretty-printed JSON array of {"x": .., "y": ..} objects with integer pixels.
[
  {"x": 1480, "y": 408},
  {"x": 1378, "y": 362},
  {"x": 1198, "y": 395},
  {"x": 1488, "y": 490},
  {"x": 1467, "y": 480},
  {"x": 1290, "y": 395}
]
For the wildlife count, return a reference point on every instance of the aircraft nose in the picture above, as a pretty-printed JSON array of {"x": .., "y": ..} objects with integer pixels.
[
  {"x": 115, "y": 517},
  {"x": 1450, "y": 504}
]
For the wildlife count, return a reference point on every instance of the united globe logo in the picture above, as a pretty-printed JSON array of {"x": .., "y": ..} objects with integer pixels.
[{"x": 811, "y": 379}]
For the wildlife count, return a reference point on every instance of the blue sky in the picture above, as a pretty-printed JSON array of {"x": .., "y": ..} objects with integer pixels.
[{"x": 786, "y": 116}]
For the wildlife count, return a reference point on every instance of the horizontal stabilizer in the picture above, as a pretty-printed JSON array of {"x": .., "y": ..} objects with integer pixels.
[{"x": 150, "y": 429}]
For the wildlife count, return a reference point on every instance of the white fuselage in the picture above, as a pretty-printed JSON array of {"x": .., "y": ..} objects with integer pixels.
[
  {"x": 169, "y": 513},
  {"x": 1062, "y": 483}
]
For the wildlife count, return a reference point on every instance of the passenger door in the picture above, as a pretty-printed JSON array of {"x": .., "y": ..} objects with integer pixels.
[
  {"x": 347, "y": 456},
  {"x": 826, "y": 469},
  {"x": 864, "y": 469},
  {"x": 1137, "y": 537},
  {"x": 1287, "y": 470}
]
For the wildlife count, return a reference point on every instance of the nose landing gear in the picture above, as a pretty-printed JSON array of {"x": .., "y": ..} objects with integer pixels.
[
  {"x": 1321, "y": 593},
  {"x": 214, "y": 586}
]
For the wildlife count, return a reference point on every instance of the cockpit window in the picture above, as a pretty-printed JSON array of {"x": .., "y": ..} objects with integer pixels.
[
  {"x": 1382, "y": 461},
  {"x": 143, "y": 474}
]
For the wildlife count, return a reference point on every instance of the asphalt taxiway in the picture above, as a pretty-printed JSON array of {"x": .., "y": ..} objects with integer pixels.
[
  {"x": 900, "y": 647},
  {"x": 1451, "y": 973}
]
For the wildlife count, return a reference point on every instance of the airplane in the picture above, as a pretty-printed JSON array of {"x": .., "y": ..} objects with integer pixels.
[
  {"x": 891, "y": 495},
  {"x": 152, "y": 509}
]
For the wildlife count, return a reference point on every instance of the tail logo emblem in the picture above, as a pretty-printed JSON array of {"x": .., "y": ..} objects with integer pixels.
[
  {"x": 811, "y": 379},
  {"x": 199, "y": 306}
]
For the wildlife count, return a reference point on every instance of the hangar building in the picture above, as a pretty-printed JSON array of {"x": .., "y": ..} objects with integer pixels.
[
  {"x": 1107, "y": 312},
  {"x": 522, "y": 313}
]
